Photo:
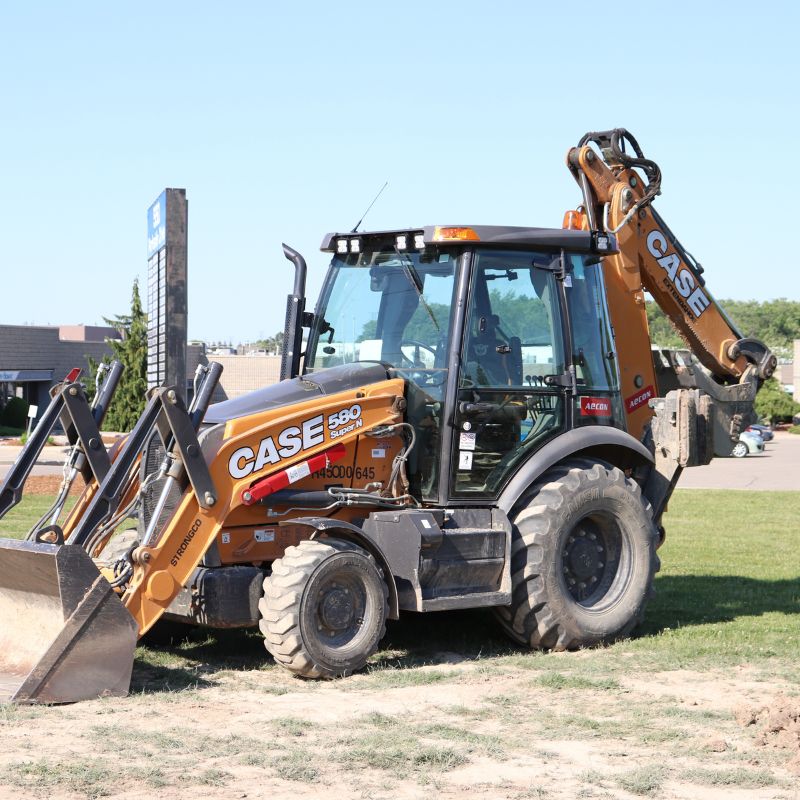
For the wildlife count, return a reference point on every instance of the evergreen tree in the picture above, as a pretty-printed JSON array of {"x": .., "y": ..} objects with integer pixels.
[{"x": 131, "y": 351}]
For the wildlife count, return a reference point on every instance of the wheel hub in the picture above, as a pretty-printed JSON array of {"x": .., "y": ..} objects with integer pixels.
[
  {"x": 584, "y": 560},
  {"x": 336, "y": 609}
]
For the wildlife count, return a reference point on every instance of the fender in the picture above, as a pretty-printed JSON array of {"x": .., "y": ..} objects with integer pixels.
[
  {"x": 339, "y": 529},
  {"x": 611, "y": 444}
]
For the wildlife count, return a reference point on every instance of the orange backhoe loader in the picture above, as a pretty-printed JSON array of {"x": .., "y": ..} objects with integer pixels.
[{"x": 472, "y": 416}]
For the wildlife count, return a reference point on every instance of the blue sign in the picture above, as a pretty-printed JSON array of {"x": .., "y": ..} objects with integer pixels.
[{"x": 157, "y": 224}]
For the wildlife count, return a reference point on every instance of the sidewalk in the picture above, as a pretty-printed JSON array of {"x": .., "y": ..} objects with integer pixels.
[{"x": 51, "y": 460}]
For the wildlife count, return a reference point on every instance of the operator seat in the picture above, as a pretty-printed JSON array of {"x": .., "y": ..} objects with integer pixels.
[{"x": 492, "y": 358}]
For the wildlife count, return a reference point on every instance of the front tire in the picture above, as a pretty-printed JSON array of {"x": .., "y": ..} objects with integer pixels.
[
  {"x": 324, "y": 608},
  {"x": 583, "y": 558},
  {"x": 739, "y": 450}
]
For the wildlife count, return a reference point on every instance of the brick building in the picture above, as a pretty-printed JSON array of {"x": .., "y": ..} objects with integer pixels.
[
  {"x": 240, "y": 373},
  {"x": 33, "y": 358}
]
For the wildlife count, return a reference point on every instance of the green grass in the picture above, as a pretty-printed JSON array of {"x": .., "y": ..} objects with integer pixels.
[
  {"x": 645, "y": 781},
  {"x": 728, "y": 593},
  {"x": 21, "y": 518},
  {"x": 729, "y": 586},
  {"x": 558, "y": 681}
]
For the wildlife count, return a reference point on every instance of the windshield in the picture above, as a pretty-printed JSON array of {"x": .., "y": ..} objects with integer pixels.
[{"x": 387, "y": 306}]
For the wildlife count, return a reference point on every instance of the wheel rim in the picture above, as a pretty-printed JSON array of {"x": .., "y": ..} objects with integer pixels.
[
  {"x": 340, "y": 603},
  {"x": 594, "y": 557},
  {"x": 740, "y": 449}
]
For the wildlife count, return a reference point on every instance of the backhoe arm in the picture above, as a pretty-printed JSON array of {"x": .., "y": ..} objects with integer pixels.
[{"x": 618, "y": 189}]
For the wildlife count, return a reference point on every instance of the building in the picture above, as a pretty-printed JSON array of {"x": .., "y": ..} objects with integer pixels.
[
  {"x": 33, "y": 358},
  {"x": 240, "y": 373}
]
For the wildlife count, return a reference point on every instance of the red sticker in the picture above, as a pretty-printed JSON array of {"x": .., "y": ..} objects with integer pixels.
[
  {"x": 595, "y": 407},
  {"x": 639, "y": 399}
]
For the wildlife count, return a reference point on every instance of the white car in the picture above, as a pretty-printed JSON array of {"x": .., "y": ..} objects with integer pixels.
[{"x": 749, "y": 442}]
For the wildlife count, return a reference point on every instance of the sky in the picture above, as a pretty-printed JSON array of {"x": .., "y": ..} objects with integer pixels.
[{"x": 283, "y": 121}]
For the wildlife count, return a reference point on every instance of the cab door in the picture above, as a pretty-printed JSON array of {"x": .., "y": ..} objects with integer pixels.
[{"x": 511, "y": 396}]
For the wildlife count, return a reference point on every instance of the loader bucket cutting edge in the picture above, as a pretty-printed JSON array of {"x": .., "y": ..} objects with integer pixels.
[{"x": 64, "y": 634}]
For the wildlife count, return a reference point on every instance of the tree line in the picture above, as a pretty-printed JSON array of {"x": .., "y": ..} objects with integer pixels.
[{"x": 774, "y": 322}]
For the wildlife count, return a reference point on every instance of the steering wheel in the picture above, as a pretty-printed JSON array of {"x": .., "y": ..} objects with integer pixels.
[
  {"x": 420, "y": 345},
  {"x": 421, "y": 375}
]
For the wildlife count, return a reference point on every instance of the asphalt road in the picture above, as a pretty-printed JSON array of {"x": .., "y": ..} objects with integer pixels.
[{"x": 778, "y": 468}]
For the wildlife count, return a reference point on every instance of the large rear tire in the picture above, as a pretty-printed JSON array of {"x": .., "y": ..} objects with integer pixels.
[
  {"x": 324, "y": 608},
  {"x": 583, "y": 558}
]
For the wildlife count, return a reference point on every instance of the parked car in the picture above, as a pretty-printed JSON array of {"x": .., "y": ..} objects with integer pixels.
[
  {"x": 763, "y": 430},
  {"x": 749, "y": 442}
]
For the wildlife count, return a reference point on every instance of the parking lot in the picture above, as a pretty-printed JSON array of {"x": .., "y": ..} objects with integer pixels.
[{"x": 776, "y": 469}]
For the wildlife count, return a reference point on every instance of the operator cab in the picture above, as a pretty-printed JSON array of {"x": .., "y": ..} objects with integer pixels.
[{"x": 502, "y": 332}]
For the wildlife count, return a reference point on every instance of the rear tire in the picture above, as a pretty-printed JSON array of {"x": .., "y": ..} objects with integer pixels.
[
  {"x": 583, "y": 558},
  {"x": 739, "y": 450},
  {"x": 324, "y": 608}
]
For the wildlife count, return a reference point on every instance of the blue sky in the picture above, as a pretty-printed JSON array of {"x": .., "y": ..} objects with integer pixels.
[{"x": 282, "y": 121}]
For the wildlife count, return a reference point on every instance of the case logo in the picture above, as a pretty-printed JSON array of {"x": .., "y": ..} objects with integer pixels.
[{"x": 681, "y": 279}]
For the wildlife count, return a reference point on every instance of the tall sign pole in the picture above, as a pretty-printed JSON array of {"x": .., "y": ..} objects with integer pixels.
[{"x": 167, "y": 226}]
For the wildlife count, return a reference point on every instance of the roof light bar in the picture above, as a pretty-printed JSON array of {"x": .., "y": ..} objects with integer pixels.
[{"x": 441, "y": 234}]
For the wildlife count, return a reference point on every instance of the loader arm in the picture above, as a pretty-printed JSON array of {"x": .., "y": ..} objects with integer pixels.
[
  {"x": 618, "y": 189},
  {"x": 164, "y": 566}
]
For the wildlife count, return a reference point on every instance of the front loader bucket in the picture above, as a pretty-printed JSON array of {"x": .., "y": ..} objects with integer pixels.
[{"x": 64, "y": 634}]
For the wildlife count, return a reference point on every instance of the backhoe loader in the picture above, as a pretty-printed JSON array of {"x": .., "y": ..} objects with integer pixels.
[{"x": 472, "y": 416}]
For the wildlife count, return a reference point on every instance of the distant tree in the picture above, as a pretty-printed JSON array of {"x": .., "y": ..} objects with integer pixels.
[
  {"x": 774, "y": 322},
  {"x": 131, "y": 351},
  {"x": 774, "y": 404},
  {"x": 662, "y": 332},
  {"x": 272, "y": 344}
]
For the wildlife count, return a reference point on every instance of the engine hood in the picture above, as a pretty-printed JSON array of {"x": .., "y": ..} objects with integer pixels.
[{"x": 322, "y": 382}]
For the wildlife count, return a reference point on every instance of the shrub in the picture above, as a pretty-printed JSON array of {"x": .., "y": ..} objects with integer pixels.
[{"x": 15, "y": 414}]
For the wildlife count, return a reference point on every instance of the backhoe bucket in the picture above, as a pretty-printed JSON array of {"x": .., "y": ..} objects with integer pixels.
[{"x": 64, "y": 634}]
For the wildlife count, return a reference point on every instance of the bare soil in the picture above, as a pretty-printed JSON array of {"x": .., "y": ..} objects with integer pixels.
[
  {"x": 510, "y": 727},
  {"x": 50, "y": 484},
  {"x": 778, "y": 726}
]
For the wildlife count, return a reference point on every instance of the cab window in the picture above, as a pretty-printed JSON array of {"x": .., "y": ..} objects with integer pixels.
[{"x": 513, "y": 343}]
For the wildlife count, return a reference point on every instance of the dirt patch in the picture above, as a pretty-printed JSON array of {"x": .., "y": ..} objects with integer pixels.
[
  {"x": 50, "y": 484},
  {"x": 477, "y": 729},
  {"x": 777, "y": 725}
]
